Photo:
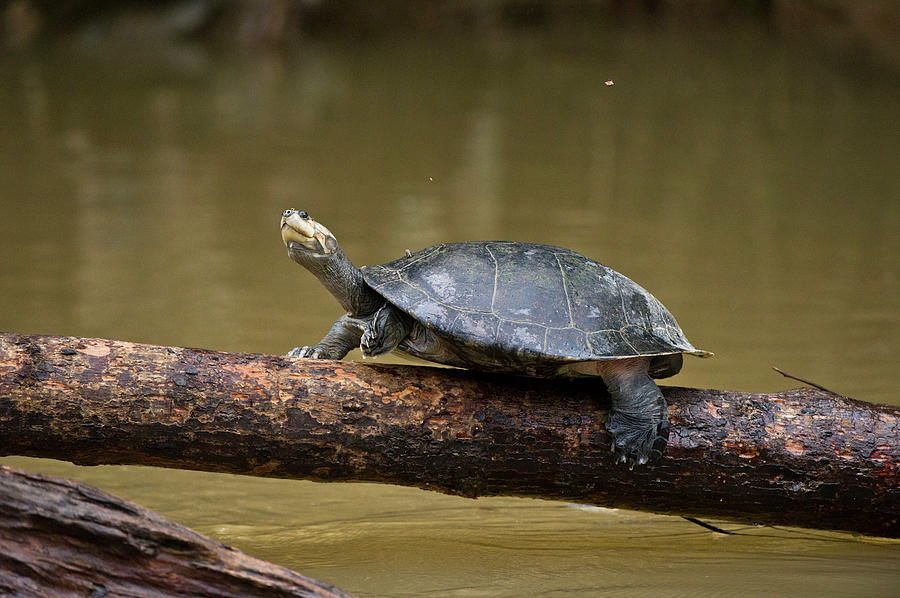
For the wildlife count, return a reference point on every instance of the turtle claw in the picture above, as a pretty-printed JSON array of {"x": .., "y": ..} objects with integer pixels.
[
  {"x": 369, "y": 343},
  {"x": 304, "y": 352},
  {"x": 637, "y": 440}
]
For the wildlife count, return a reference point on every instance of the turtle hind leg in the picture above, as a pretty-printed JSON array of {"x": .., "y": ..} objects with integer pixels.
[
  {"x": 638, "y": 422},
  {"x": 637, "y": 439}
]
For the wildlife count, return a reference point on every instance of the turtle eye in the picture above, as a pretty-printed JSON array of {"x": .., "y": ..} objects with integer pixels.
[
  {"x": 303, "y": 215},
  {"x": 287, "y": 213}
]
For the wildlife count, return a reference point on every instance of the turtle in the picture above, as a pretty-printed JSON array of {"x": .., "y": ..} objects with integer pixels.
[{"x": 509, "y": 307}]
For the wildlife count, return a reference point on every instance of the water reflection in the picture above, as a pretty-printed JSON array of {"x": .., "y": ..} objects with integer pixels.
[
  {"x": 748, "y": 183},
  {"x": 386, "y": 541}
]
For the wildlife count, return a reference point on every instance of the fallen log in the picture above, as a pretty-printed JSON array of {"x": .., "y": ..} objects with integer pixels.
[
  {"x": 64, "y": 538},
  {"x": 802, "y": 457}
]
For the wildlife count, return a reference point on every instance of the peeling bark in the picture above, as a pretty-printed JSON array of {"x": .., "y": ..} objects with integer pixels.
[
  {"x": 64, "y": 538},
  {"x": 802, "y": 457}
]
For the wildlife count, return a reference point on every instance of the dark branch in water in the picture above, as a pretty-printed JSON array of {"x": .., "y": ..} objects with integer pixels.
[
  {"x": 102, "y": 545},
  {"x": 718, "y": 530}
]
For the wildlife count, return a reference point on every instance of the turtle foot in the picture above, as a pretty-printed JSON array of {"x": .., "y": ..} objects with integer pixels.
[
  {"x": 387, "y": 328},
  {"x": 303, "y": 352},
  {"x": 370, "y": 344},
  {"x": 637, "y": 439}
]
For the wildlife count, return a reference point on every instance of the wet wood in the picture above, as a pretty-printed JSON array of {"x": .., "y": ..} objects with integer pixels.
[
  {"x": 803, "y": 457},
  {"x": 64, "y": 538}
]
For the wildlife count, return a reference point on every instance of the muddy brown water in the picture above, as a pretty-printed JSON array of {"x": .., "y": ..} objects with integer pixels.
[{"x": 749, "y": 183}]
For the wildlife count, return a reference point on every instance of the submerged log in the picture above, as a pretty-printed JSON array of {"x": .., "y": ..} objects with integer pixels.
[
  {"x": 802, "y": 457},
  {"x": 64, "y": 538}
]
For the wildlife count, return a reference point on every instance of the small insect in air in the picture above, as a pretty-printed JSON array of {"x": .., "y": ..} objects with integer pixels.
[{"x": 609, "y": 83}]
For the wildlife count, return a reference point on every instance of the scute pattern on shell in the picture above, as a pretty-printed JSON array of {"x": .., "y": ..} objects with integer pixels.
[{"x": 527, "y": 298}]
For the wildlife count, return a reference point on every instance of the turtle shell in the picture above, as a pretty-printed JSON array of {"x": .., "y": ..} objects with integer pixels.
[{"x": 538, "y": 302}]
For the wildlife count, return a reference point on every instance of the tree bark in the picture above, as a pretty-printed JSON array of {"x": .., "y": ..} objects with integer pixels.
[
  {"x": 802, "y": 457},
  {"x": 64, "y": 538}
]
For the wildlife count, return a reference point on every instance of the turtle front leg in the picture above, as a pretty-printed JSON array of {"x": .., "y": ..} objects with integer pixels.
[
  {"x": 343, "y": 336},
  {"x": 638, "y": 422},
  {"x": 384, "y": 331}
]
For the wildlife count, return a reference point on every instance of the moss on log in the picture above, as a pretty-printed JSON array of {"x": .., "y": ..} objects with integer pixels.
[{"x": 802, "y": 457}]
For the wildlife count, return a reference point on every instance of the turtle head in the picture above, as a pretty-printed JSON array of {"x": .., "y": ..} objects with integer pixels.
[
  {"x": 304, "y": 237},
  {"x": 314, "y": 247}
]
